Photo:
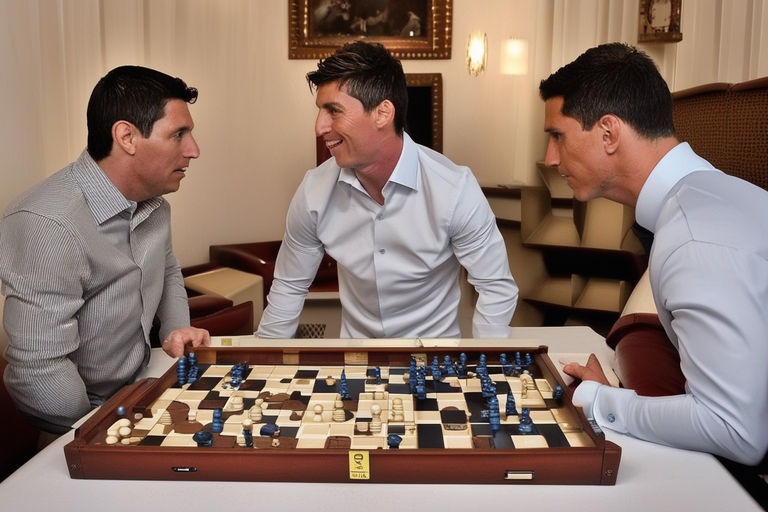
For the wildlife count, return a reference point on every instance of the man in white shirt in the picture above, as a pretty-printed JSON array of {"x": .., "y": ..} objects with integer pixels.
[
  {"x": 609, "y": 118},
  {"x": 398, "y": 218}
]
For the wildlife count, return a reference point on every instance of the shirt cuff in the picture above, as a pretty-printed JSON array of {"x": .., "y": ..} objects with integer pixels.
[{"x": 606, "y": 405}]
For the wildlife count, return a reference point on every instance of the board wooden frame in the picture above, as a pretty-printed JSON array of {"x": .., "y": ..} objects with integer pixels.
[{"x": 563, "y": 465}]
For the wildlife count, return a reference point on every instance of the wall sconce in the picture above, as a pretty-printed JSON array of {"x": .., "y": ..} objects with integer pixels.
[
  {"x": 514, "y": 57},
  {"x": 477, "y": 52}
]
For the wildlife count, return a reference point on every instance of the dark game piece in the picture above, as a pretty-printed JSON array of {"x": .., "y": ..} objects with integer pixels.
[
  {"x": 181, "y": 370},
  {"x": 217, "y": 425},
  {"x": 393, "y": 441},
  {"x": 493, "y": 414},
  {"x": 344, "y": 387},
  {"x": 526, "y": 424},
  {"x": 511, "y": 410},
  {"x": 248, "y": 435},
  {"x": 377, "y": 374},
  {"x": 203, "y": 438},
  {"x": 558, "y": 393},
  {"x": 268, "y": 430},
  {"x": 120, "y": 410}
]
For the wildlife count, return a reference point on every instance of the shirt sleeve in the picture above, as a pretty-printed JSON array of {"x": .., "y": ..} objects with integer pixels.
[
  {"x": 480, "y": 249},
  {"x": 41, "y": 266},
  {"x": 716, "y": 297},
  {"x": 173, "y": 310},
  {"x": 297, "y": 261}
]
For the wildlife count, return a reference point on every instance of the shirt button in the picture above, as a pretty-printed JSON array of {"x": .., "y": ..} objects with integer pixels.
[
  {"x": 611, "y": 418},
  {"x": 382, "y": 251}
]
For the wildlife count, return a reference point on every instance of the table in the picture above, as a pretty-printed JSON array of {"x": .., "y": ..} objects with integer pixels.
[{"x": 651, "y": 477}]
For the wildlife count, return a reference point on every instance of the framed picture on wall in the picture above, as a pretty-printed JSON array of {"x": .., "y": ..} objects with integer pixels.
[
  {"x": 659, "y": 21},
  {"x": 410, "y": 29}
]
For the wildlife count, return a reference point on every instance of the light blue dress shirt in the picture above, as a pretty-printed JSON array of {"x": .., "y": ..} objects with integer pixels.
[
  {"x": 398, "y": 263},
  {"x": 709, "y": 273}
]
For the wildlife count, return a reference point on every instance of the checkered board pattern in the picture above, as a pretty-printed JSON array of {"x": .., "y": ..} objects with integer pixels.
[{"x": 303, "y": 403}]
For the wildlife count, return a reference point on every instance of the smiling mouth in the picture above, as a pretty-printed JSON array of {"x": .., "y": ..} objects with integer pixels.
[{"x": 330, "y": 144}]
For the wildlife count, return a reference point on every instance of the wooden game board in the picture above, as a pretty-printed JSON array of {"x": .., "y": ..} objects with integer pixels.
[{"x": 445, "y": 437}]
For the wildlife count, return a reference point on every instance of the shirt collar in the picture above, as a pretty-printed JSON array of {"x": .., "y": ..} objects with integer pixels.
[
  {"x": 405, "y": 172},
  {"x": 679, "y": 162},
  {"x": 103, "y": 198}
]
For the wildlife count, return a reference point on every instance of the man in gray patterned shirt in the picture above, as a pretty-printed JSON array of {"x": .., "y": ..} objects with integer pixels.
[{"x": 85, "y": 257}]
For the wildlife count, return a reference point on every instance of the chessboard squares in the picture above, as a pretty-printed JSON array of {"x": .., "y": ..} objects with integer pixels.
[
  {"x": 260, "y": 372},
  {"x": 470, "y": 385},
  {"x": 427, "y": 404},
  {"x": 304, "y": 386},
  {"x": 529, "y": 441},
  {"x": 544, "y": 388},
  {"x": 369, "y": 442},
  {"x": 542, "y": 416},
  {"x": 170, "y": 394},
  {"x": 554, "y": 436},
  {"x": 579, "y": 439},
  {"x": 356, "y": 372},
  {"x": 457, "y": 441},
  {"x": 205, "y": 383},
  {"x": 306, "y": 373},
  {"x": 283, "y": 372},
  {"x": 453, "y": 416},
  {"x": 430, "y": 435},
  {"x": 426, "y": 416},
  {"x": 218, "y": 371}
]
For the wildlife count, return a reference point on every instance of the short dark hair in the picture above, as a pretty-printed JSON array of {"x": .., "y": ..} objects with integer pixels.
[
  {"x": 130, "y": 93},
  {"x": 371, "y": 75},
  {"x": 617, "y": 79}
]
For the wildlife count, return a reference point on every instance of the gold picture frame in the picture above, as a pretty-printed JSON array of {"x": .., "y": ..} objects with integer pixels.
[
  {"x": 410, "y": 29},
  {"x": 659, "y": 21}
]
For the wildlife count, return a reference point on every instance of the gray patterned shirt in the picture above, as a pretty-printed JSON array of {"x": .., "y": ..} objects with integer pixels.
[{"x": 84, "y": 272}]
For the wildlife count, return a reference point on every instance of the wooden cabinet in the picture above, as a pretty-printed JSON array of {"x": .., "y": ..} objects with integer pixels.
[{"x": 590, "y": 256}]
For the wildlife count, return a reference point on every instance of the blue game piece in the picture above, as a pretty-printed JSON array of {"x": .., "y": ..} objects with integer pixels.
[
  {"x": 344, "y": 387},
  {"x": 393, "y": 441},
  {"x": 558, "y": 393},
  {"x": 248, "y": 436},
  {"x": 268, "y": 430},
  {"x": 377, "y": 374},
  {"x": 448, "y": 368},
  {"x": 203, "y": 438},
  {"x": 526, "y": 424},
  {"x": 493, "y": 414},
  {"x": 511, "y": 410},
  {"x": 217, "y": 425},
  {"x": 120, "y": 410}
]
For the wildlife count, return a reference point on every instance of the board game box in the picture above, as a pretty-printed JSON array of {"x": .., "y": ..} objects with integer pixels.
[{"x": 373, "y": 414}]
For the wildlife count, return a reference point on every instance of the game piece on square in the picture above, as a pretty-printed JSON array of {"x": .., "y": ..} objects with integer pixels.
[
  {"x": 377, "y": 374},
  {"x": 393, "y": 441},
  {"x": 318, "y": 409},
  {"x": 338, "y": 411},
  {"x": 448, "y": 368},
  {"x": 528, "y": 361},
  {"x": 181, "y": 370},
  {"x": 120, "y": 410},
  {"x": 398, "y": 411},
  {"x": 217, "y": 425},
  {"x": 437, "y": 374},
  {"x": 248, "y": 438},
  {"x": 526, "y": 424},
  {"x": 375, "y": 418},
  {"x": 203, "y": 438},
  {"x": 344, "y": 387},
  {"x": 269, "y": 429},
  {"x": 511, "y": 410},
  {"x": 493, "y": 414},
  {"x": 558, "y": 393},
  {"x": 192, "y": 359}
]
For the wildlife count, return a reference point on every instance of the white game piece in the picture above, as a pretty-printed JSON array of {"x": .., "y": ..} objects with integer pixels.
[{"x": 318, "y": 413}]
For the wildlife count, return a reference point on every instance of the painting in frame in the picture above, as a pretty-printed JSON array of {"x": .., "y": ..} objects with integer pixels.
[{"x": 410, "y": 29}]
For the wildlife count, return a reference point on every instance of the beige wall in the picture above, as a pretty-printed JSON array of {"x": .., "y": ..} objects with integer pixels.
[{"x": 255, "y": 114}]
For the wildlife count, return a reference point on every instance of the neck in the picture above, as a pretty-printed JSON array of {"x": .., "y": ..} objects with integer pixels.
[{"x": 373, "y": 177}]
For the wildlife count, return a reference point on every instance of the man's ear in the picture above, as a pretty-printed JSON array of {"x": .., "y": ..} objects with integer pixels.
[
  {"x": 384, "y": 113},
  {"x": 610, "y": 132},
  {"x": 124, "y": 136}
]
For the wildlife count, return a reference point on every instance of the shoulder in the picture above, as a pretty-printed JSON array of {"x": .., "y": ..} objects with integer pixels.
[{"x": 57, "y": 197}]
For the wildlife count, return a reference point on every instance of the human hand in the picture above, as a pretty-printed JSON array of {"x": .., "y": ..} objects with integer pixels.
[
  {"x": 179, "y": 339},
  {"x": 592, "y": 371}
]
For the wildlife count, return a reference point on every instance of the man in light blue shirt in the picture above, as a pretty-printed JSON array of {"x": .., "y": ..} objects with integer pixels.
[
  {"x": 398, "y": 218},
  {"x": 609, "y": 118}
]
